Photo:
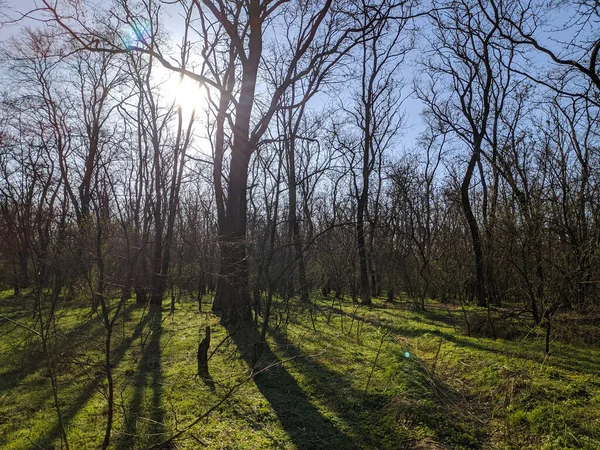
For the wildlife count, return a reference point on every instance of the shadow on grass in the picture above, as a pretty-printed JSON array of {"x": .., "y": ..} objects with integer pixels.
[
  {"x": 564, "y": 356},
  {"x": 374, "y": 418},
  {"x": 145, "y": 416},
  {"x": 91, "y": 329},
  {"x": 303, "y": 422},
  {"x": 68, "y": 413},
  {"x": 31, "y": 361}
]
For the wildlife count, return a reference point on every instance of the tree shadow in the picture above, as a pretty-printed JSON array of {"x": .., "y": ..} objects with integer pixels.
[
  {"x": 374, "y": 418},
  {"x": 92, "y": 386},
  {"x": 145, "y": 416},
  {"x": 91, "y": 331},
  {"x": 306, "y": 426},
  {"x": 435, "y": 315},
  {"x": 566, "y": 357},
  {"x": 208, "y": 381}
]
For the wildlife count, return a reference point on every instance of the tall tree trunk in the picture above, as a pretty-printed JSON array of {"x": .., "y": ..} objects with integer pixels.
[
  {"x": 232, "y": 298},
  {"x": 480, "y": 293},
  {"x": 294, "y": 227},
  {"x": 365, "y": 291}
]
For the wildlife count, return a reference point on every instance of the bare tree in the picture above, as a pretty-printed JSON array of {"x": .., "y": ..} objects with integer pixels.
[
  {"x": 575, "y": 57},
  {"x": 467, "y": 58},
  {"x": 377, "y": 117},
  {"x": 232, "y": 40}
]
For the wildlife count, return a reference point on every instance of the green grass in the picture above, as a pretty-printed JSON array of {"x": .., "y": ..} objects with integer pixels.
[{"x": 357, "y": 378}]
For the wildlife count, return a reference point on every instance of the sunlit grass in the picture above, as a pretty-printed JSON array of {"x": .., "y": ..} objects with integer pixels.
[{"x": 386, "y": 378}]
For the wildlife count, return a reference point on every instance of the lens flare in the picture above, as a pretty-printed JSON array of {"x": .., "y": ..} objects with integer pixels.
[{"x": 137, "y": 34}]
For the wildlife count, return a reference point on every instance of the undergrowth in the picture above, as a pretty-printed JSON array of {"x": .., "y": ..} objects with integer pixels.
[{"x": 339, "y": 376}]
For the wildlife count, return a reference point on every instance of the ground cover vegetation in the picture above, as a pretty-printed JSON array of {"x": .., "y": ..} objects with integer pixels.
[
  {"x": 384, "y": 377},
  {"x": 216, "y": 230}
]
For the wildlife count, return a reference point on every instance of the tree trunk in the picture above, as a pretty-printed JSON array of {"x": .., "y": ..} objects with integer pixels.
[
  {"x": 232, "y": 299},
  {"x": 202, "y": 356},
  {"x": 480, "y": 293},
  {"x": 365, "y": 292},
  {"x": 295, "y": 228}
]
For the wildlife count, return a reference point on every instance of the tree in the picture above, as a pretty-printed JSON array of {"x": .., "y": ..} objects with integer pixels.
[
  {"x": 576, "y": 57},
  {"x": 377, "y": 117},
  {"x": 232, "y": 42},
  {"x": 470, "y": 65}
]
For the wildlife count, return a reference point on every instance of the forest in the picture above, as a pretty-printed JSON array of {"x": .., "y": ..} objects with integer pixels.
[{"x": 299, "y": 224}]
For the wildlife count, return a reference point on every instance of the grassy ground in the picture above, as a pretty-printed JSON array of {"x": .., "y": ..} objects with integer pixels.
[{"x": 343, "y": 377}]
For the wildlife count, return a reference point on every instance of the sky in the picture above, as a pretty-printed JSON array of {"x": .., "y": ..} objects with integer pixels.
[
  {"x": 413, "y": 107},
  {"x": 10, "y": 7},
  {"x": 413, "y": 124}
]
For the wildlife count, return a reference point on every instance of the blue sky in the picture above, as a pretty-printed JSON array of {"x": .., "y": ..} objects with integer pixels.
[{"x": 412, "y": 106}]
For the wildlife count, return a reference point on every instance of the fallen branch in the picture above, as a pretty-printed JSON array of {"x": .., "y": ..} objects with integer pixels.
[{"x": 21, "y": 325}]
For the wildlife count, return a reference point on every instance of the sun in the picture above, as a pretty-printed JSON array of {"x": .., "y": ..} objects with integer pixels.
[{"x": 186, "y": 93}]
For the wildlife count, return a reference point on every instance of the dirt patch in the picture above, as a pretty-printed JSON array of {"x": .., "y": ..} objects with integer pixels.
[{"x": 427, "y": 444}]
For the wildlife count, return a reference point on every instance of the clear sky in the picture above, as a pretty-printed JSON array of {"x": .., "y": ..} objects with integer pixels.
[{"x": 412, "y": 106}]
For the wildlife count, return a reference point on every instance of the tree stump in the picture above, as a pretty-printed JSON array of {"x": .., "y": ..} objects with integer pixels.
[{"x": 202, "y": 355}]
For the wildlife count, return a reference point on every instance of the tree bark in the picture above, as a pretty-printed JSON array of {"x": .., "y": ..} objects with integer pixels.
[
  {"x": 480, "y": 294},
  {"x": 232, "y": 298},
  {"x": 294, "y": 227}
]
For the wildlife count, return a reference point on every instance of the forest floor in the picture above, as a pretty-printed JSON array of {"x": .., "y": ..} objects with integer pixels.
[{"x": 339, "y": 376}]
